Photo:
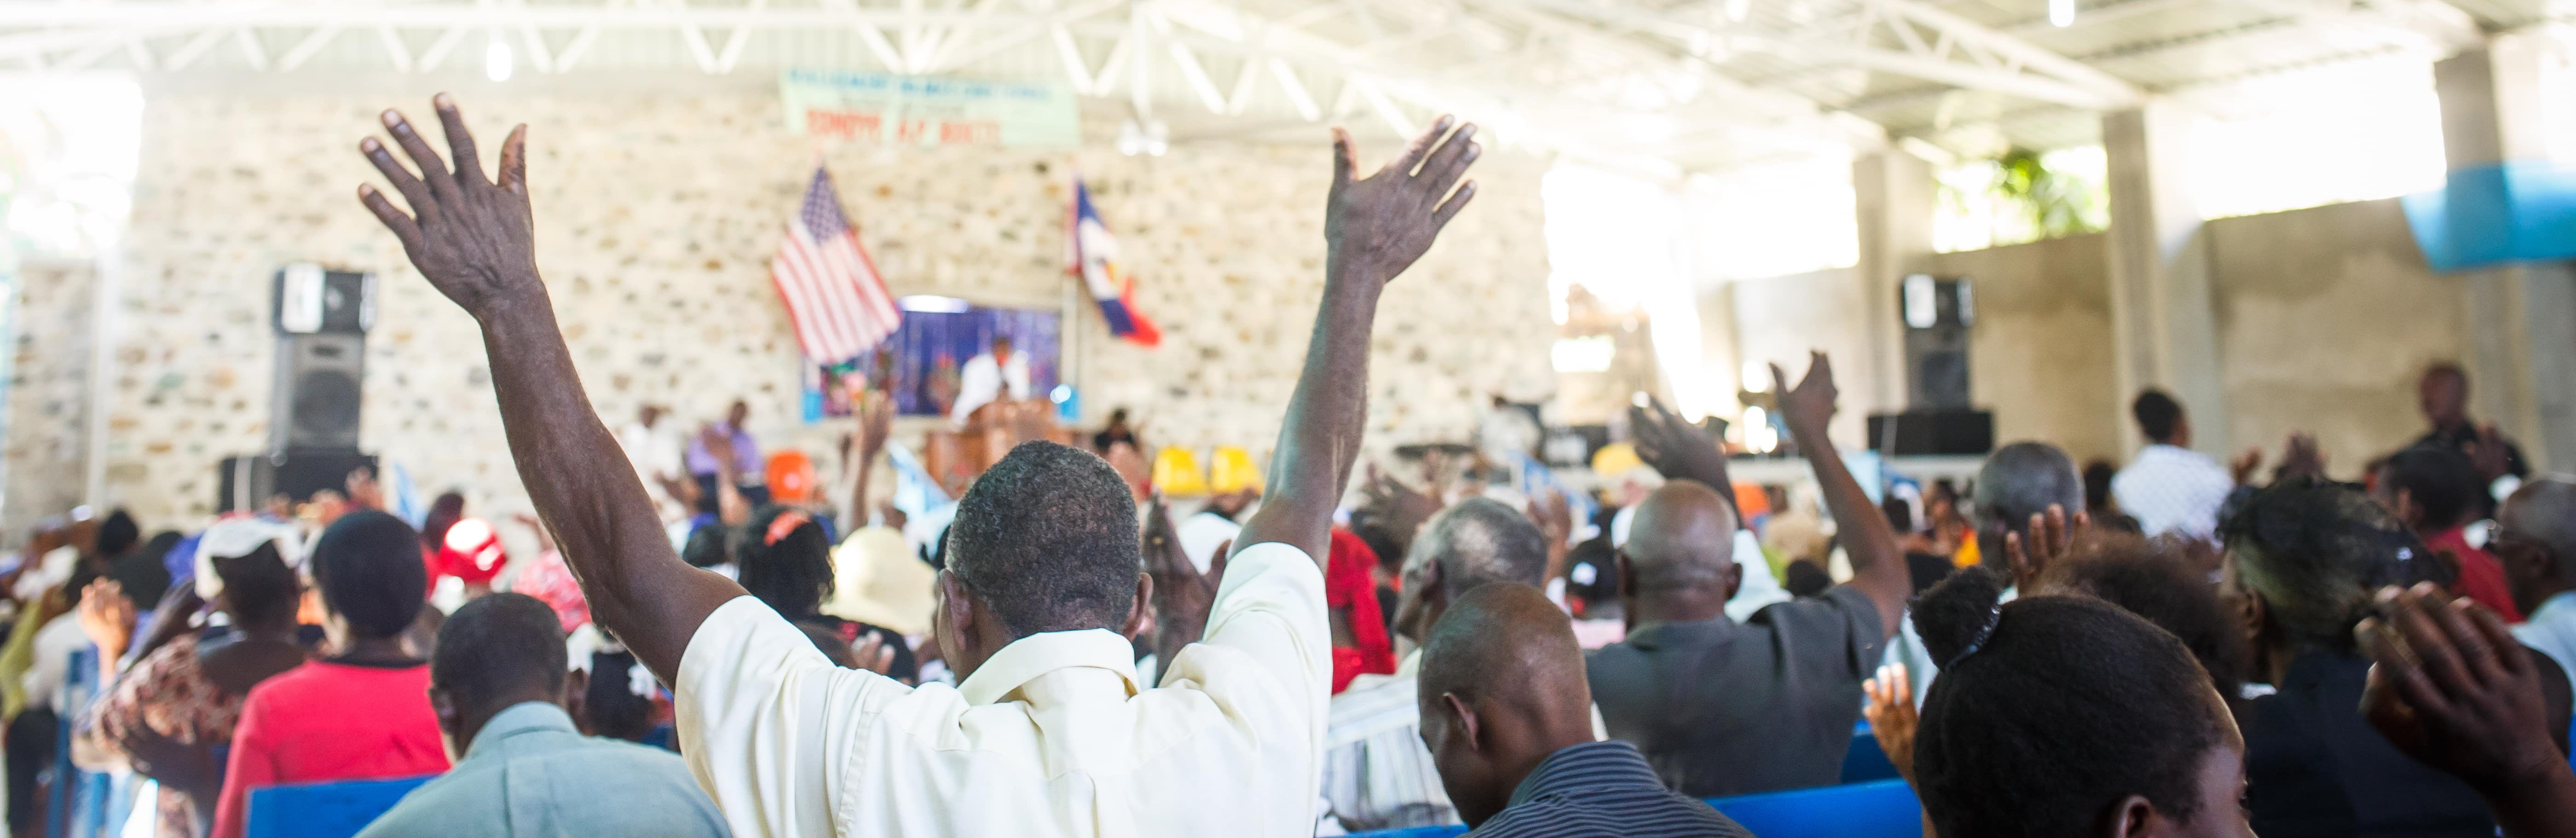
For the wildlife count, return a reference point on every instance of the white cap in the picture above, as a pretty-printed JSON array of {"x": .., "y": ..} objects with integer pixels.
[{"x": 240, "y": 537}]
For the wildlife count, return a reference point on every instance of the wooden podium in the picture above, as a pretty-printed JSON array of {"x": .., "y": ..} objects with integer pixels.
[{"x": 955, "y": 457}]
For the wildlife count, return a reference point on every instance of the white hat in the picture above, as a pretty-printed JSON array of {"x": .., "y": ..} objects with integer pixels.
[{"x": 239, "y": 537}]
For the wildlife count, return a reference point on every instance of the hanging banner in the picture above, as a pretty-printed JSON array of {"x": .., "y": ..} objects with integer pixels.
[{"x": 922, "y": 111}]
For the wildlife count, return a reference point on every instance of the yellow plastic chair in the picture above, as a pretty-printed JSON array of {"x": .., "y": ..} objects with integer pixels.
[
  {"x": 1233, "y": 471},
  {"x": 1177, "y": 474}
]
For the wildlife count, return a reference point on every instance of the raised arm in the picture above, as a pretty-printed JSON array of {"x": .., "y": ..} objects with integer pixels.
[
  {"x": 1877, "y": 562},
  {"x": 474, "y": 240},
  {"x": 1374, "y": 228},
  {"x": 1678, "y": 450}
]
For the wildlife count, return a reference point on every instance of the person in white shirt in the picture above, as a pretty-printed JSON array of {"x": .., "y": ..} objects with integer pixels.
[
  {"x": 1377, "y": 774},
  {"x": 2535, "y": 540},
  {"x": 2169, "y": 488},
  {"x": 1214, "y": 525},
  {"x": 654, "y": 450},
  {"x": 989, "y": 377},
  {"x": 1048, "y": 731}
]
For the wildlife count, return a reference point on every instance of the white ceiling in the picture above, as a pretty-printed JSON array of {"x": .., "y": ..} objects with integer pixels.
[{"x": 1674, "y": 84}]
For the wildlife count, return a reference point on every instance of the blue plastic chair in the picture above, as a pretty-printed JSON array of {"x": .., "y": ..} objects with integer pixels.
[
  {"x": 323, "y": 810},
  {"x": 1883, "y": 809},
  {"x": 1865, "y": 762}
]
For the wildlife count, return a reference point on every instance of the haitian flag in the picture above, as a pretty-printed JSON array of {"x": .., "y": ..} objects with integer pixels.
[{"x": 1090, "y": 253}]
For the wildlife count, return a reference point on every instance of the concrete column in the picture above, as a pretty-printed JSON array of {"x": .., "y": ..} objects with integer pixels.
[
  {"x": 1892, "y": 194},
  {"x": 2164, "y": 328},
  {"x": 2521, "y": 319}
]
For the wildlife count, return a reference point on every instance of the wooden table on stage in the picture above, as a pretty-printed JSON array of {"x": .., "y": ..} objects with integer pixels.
[{"x": 955, "y": 457}]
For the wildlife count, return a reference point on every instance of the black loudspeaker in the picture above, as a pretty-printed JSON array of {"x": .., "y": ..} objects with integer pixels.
[
  {"x": 322, "y": 322},
  {"x": 1938, "y": 313},
  {"x": 1932, "y": 432},
  {"x": 243, "y": 482},
  {"x": 314, "y": 403}
]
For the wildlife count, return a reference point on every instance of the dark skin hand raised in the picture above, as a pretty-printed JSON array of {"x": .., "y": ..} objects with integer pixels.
[
  {"x": 1877, "y": 560},
  {"x": 474, "y": 239},
  {"x": 2451, "y": 687},
  {"x": 1374, "y": 228}
]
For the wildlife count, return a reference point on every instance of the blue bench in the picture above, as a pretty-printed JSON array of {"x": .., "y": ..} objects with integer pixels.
[
  {"x": 323, "y": 810},
  {"x": 1865, "y": 762},
  {"x": 1882, "y": 809}
]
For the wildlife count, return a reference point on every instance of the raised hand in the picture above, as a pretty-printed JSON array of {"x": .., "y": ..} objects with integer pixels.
[
  {"x": 1182, "y": 595},
  {"x": 2242, "y": 468},
  {"x": 2491, "y": 453},
  {"x": 1677, "y": 449},
  {"x": 2301, "y": 457},
  {"x": 2451, "y": 687},
  {"x": 1892, "y": 717},
  {"x": 1811, "y": 405},
  {"x": 2052, "y": 537},
  {"x": 107, "y": 616},
  {"x": 1379, "y": 225},
  {"x": 1395, "y": 507},
  {"x": 471, "y": 237}
]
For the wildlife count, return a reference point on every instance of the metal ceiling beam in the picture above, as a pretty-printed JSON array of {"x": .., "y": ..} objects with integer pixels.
[
  {"x": 148, "y": 16},
  {"x": 2031, "y": 72}
]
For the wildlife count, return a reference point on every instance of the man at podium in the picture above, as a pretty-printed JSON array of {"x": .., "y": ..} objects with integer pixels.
[{"x": 994, "y": 375}]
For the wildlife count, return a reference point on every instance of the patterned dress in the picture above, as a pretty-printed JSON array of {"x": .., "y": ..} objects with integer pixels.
[{"x": 169, "y": 693}]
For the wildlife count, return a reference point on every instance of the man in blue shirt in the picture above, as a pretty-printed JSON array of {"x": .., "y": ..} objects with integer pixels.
[
  {"x": 522, "y": 768},
  {"x": 1507, "y": 716}
]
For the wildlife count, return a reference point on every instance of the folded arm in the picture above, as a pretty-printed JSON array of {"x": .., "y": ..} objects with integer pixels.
[
  {"x": 473, "y": 239},
  {"x": 1374, "y": 229}
]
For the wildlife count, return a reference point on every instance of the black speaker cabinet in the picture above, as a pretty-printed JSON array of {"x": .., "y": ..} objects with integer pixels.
[
  {"x": 322, "y": 321},
  {"x": 1938, "y": 313},
  {"x": 314, "y": 400},
  {"x": 1932, "y": 432},
  {"x": 243, "y": 482}
]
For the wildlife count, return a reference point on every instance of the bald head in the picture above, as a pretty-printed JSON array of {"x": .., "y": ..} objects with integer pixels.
[
  {"x": 1479, "y": 541},
  {"x": 1502, "y": 687},
  {"x": 1684, "y": 537},
  {"x": 1508, "y": 644},
  {"x": 2543, "y": 513}
]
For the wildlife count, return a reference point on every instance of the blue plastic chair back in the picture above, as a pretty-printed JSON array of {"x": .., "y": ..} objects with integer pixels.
[
  {"x": 1884, "y": 809},
  {"x": 1865, "y": 762},
  {"x": 323, "y": 810}
]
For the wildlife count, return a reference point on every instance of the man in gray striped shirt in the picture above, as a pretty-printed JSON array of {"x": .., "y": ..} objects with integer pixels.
[{"x": 1504, "y": 707}]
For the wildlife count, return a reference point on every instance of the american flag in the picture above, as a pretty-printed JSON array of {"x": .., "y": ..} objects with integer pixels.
[{"x": 832, "y": 289}]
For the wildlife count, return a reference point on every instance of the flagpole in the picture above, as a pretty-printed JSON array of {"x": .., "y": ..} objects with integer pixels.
[{"x": 1069, "y": 332}]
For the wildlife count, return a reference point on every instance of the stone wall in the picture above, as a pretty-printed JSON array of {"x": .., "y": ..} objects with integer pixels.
[
  {"x": 48, "y": 395},
  {"x": 656, "y": 216}
]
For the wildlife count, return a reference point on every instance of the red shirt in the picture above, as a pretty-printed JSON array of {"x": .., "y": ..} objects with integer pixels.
[
  {"x": 2481, "y": 576},
  {"x": 329, "y": 721}
]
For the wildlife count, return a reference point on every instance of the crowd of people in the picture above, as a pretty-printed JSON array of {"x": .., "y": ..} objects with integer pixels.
[{"x": 705, "y": 646}]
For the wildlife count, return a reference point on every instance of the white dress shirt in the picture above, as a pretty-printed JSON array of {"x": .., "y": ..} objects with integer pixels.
[
  {"x": 2552, "y": 630},
  {"x": 1051, "y": 736},
  {"x": 983, "y": 380},
  {"x": 2175, "y": 490},
  {"x": 1201, "y": 534}
]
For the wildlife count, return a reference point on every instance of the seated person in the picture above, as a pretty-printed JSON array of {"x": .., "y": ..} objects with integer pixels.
[
  {"x": 1505, "y": 714},
  {"x": 2436, "y": 491},
  {"x": 1724, "y": 708},
  {"x": 361, "y": 711},
  {"x": 522, "y": 768},
  {"x": 2304, "y": 558},
  {"x": 2065, "y": 715},
  {"x": 2535, "y": 541},
  {"x": 1376, "y": 773},
  {"x": 786, "y": 563}
]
